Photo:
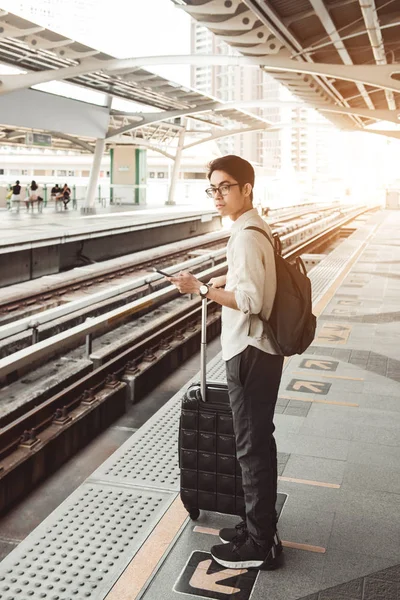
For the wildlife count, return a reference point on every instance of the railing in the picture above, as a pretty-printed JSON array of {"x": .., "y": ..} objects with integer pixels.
[
  {"x": 33, "y": 322},
  {"x": 62, "y": 341}
]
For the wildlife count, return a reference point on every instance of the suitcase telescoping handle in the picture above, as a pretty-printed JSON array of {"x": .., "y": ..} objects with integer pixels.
[{"x": 203, "y": 350}]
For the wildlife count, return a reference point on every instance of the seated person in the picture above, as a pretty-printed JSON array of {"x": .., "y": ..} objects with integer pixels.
[
  {"x": 55, "y": 190},
  {"x": 16, "y": 193},
  {"x": 33, "y": 195},
  {"x": 65, "y": 195}
]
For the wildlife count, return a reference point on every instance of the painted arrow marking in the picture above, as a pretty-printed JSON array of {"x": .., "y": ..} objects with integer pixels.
[
  {"x": 322, "y": 364},
  {"x": 337, "y": 327},
  {"x": 311, "y": 386},
  {"x": 334, "y": 333},
  {"x": 208, "y": 581},
  {"x": 330, "y": 337}
]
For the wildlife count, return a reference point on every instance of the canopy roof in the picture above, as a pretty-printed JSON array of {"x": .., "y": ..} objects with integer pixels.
[
  {"x": 332, "y": 54},
  {"x": 334, "y": 32},
  {"x": 45, "y": 55}
]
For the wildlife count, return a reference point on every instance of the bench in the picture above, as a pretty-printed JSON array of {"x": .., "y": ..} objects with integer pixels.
[
  {"x": 14, "y": 202},
  {"x": 31, "y": 203},
  {"x": 59, "y": 203}
]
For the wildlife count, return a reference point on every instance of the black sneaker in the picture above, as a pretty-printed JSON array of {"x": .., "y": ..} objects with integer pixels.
[
  {"x": 246, "y": 554},
  {"x": 239, "y": 532},
  {"x": 230, "y": 534}
]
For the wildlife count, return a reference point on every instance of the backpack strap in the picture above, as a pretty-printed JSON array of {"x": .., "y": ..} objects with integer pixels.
[
  {"x": 265, "y": 234},
  {"x": 266, "y": 326}
]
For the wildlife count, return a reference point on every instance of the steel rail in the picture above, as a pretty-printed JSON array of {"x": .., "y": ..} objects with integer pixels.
[
  {"x": 27, "y": 426},
  {"x": 322, "y": 236},
  {"x": 44, "y": 317},
  {"x": 109, "y": 271},
  {"x": 112, "y": 272},
  {"x": 64, "y": 340}
]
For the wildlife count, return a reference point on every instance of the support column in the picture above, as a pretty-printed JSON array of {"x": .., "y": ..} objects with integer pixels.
[
  {"x": 176, "y": 167},
  {"x": 140, "y": 175},
  {"x": 90, "y": 206}
]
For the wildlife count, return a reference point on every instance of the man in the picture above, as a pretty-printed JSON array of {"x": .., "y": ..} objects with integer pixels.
[{"x": 253, "y": 368}]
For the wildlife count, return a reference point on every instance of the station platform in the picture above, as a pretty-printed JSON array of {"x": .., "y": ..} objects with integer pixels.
[
  {"x": 124, "y": 534},
  {"x": 37, "y": 244}
]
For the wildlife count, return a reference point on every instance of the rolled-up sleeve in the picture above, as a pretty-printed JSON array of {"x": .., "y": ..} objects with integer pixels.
[{"x": 249, "y": 273}]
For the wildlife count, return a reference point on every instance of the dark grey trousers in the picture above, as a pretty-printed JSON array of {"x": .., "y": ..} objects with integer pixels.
[{"x": 253, "y": 380}]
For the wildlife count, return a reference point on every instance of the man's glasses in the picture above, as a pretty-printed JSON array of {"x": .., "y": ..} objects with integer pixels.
[{"x": 223, "y": 189}]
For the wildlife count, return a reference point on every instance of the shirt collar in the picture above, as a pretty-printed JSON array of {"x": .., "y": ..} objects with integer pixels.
[{"x": 241, "y": 222}]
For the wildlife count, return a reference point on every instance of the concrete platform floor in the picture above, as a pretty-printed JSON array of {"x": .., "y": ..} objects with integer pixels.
[
  {"x": 23, "y": 226},
  {"x": 338, "y": 424}
]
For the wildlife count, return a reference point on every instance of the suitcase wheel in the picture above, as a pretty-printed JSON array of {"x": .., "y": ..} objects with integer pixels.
[{"x": 194, "y": 513}]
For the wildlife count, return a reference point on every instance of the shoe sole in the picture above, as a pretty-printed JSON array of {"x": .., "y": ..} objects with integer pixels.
[{"x": 249, "y": 564}]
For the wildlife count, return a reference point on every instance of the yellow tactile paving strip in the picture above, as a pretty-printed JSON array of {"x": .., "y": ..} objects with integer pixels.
[
  {"x": 315, "y": 400},
  {"x": 306, "y": 547},
  {"x": 140, "y": 569},
  {"x": 317, "y": 374},
  {"x": 309, "y": 482}
]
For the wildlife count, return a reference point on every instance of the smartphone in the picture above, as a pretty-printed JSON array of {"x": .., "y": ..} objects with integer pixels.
[{"x": 161, "y": 272}]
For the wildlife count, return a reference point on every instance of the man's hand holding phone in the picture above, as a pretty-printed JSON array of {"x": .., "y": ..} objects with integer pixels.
[
  {"x": 161, "y": 272},
  {"x": 218, "y": 282}
]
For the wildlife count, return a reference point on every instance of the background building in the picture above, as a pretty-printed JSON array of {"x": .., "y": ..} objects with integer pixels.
[
  {"x": 76, "y": 15},
  {"x": 304, "y": 142}
]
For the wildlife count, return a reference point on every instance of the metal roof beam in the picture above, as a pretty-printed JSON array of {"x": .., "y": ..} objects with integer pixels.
[
  {"x": 73, "y": 140},
  {"x": 305, "y": 14},
  {"x": 383, "y": 76},
  {"x": 215, "y": 7},
  {"x": 8, "y": 30},
  {"x": 379, "y": 115},
  {"x": 330, "y": 27},
  {"x": 163, "y": 116},
  {"x": 371, "y": 20},
  {"x": 228, "y": 133},
  {"x": 283, "y": 33},
  {"x": 12, "y": 135},
  {"x": 39, "y": 43},
  {"x": 353, "y": 30},
  {"x": 390, "y": 116}
]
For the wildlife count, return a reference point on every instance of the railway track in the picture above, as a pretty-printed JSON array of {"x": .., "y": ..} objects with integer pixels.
[
  {"x": 36, "y": 439},
  {"x": 26, "y": 299},
  {"x": 16, "y": 334}
]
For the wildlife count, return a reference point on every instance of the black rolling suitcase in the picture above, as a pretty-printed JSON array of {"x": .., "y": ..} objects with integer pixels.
[
  {"x": 210, "y": 473},
  {"x": 211, "y": 477}
]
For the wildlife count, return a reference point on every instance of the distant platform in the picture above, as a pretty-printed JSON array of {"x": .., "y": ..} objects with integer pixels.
[{"x": 36, "y": 244}]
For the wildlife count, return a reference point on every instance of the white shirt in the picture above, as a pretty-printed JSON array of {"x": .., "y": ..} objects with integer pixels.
[
  {"x": 33, "y": 194},
  {"x": 251, "y": 275}
]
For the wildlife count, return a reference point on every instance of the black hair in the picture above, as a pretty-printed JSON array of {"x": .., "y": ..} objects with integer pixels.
[
  {"x": 17, "y": 182},
  {"x": 236, "y": 167},
  {"x": 34, "y": 185}
]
